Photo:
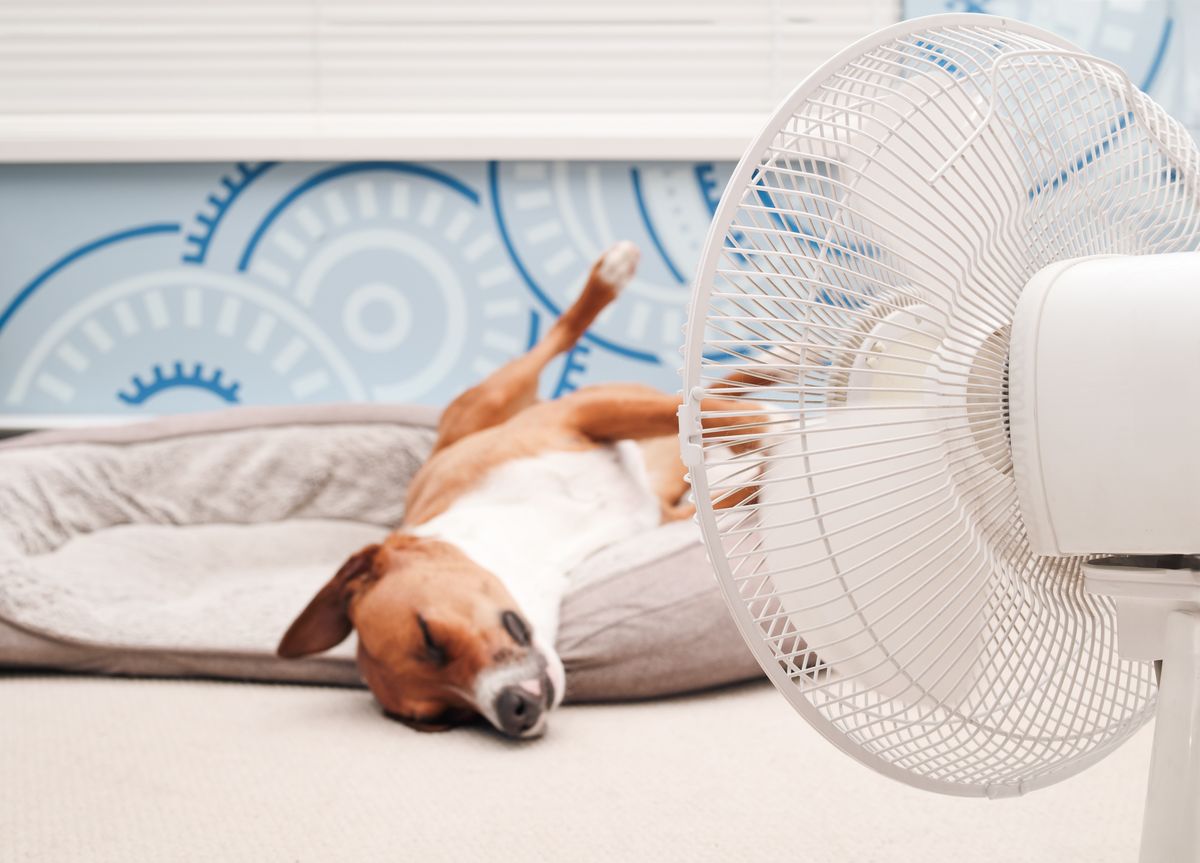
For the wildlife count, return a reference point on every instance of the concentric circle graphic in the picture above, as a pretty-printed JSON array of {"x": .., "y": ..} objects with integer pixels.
[
  {"x": 366, "y": 306},
  {"x": 150, "y": 325},
  {"x": 556, "y": 218},
  {"x": 418, "y": 242}
]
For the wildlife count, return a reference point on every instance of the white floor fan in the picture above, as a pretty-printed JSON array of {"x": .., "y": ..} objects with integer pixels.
[{"x": 949, "y": 309}]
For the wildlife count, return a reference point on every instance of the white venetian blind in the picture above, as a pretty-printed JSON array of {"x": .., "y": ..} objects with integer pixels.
[{"x": 394, "y": 58}]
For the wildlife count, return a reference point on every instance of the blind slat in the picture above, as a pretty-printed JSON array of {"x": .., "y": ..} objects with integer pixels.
[{"x": 324, "y": 57}]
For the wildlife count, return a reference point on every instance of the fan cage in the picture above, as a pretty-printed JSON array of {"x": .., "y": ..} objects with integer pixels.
[{"x": 898, "y": 201}]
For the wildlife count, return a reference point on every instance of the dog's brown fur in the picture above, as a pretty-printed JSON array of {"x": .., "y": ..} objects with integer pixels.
[{"x": 429, "y": 618}]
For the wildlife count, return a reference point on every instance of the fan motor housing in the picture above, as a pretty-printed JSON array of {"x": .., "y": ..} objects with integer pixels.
[{"x": 1104, "y": 390}]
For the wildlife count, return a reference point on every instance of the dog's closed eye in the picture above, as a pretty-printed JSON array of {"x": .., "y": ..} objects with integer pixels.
[
  {"x": 517, "y": 627},
  {"x": 434, "y": 652}
]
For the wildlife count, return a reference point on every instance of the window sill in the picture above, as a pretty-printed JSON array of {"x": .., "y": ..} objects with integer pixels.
[{"x": 219, "y": 137}]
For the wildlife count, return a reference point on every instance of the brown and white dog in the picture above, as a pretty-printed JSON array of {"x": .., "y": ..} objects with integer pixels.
[{"x": 457, "y": 610}]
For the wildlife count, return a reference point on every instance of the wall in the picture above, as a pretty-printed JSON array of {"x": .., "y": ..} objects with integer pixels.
[{"x": 161, "y": 288}]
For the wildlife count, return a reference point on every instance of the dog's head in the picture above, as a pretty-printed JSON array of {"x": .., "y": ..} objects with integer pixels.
[{"x": 440, "y": 640}]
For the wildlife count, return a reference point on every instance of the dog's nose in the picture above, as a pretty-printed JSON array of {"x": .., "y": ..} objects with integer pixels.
[{"x": 518, "y": 709}]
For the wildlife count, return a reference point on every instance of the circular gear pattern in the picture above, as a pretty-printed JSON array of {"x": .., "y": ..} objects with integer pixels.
[
  {"x": 363, "y": 245},
  {"x": 558, "y": 217},
  {"x": 418, "y": 277},
  {"x": 270, "y": 350}
]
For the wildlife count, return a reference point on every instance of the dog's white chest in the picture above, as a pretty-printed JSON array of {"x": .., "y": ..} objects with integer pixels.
[{"x": 532, "y": 520}]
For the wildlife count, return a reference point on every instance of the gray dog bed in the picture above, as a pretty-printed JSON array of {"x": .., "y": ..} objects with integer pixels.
[{"x": 185, "y": 546}]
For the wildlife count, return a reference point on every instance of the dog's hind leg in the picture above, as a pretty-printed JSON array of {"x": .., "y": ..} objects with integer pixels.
[
  {"x": 666, "y": 474},
  {"x": 513, "y": 387},
  {"x": 665, "y": 469}
]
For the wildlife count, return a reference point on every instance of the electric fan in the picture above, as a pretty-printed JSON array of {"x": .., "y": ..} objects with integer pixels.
[{"x": 943, "y": 354}]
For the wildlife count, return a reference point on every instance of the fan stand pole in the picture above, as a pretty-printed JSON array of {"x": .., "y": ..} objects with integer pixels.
[
  {"x": 1157, "y": 599},
  {"x": 1171, "y": 829}
]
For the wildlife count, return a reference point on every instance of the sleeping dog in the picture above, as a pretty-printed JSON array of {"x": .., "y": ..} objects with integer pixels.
[{"x": 457, "y": 610}]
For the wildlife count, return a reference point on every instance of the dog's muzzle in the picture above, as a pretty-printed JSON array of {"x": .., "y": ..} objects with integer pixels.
[
  {"x": 517, "y": 698},
  {"x": 520, "y": 707}
]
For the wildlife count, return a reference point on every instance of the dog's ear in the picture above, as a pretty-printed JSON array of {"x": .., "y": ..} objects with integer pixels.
[{"x": 325, "y": 622}]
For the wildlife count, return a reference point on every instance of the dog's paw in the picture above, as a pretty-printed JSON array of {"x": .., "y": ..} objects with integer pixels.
[{"x": 618, "y": 264}]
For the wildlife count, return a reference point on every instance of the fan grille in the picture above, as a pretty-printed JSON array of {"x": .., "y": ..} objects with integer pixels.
[{"x": 847, "y": 362}]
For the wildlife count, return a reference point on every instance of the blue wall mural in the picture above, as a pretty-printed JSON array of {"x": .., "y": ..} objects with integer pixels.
[{"x": 164, "y": 288}]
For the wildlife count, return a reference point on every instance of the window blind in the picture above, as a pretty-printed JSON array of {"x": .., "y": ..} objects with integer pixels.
[{"x": 380, "y": 61}]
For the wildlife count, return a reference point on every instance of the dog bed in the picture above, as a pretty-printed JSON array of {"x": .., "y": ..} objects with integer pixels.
[{"x": 185, "y": 546}]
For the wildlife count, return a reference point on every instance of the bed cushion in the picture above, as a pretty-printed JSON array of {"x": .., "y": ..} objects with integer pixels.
[{"x": 185, "y": 546}]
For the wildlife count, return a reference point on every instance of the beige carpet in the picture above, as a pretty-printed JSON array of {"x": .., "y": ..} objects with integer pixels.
[{"x": 117, "y": 770}]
